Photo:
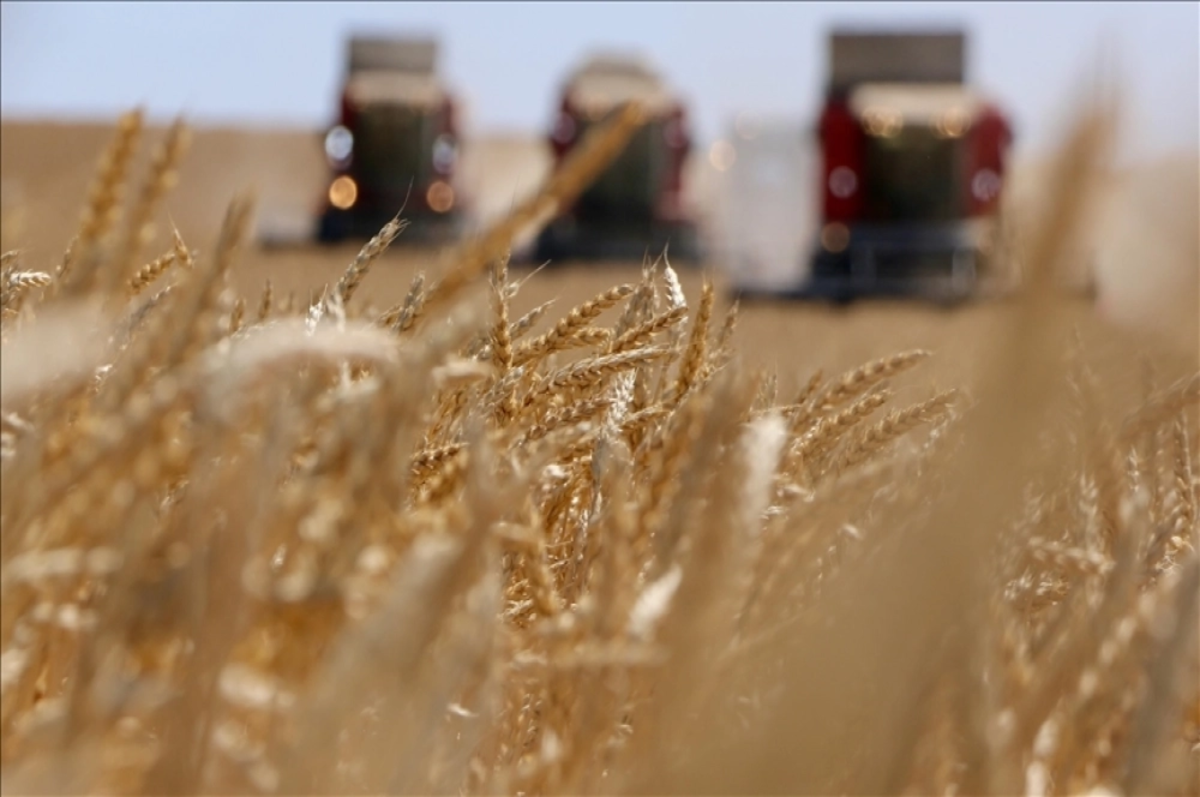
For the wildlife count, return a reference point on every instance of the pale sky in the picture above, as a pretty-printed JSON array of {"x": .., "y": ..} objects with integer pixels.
[{"x": 280, "y": 63}]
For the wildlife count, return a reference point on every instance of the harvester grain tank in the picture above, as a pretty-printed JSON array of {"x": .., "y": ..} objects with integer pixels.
[
  {"x": 395, "y": 144},
  {"x": 913, "y": 162},
  {"x": 637, "y": 205}
]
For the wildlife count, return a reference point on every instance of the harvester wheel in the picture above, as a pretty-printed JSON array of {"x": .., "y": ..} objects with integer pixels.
[
  {"x": 842, "y": 298},
  {"x": 548, "y": 249},
  {"x": 683, "y": 244},
  {"x": 332, "y": 228}
]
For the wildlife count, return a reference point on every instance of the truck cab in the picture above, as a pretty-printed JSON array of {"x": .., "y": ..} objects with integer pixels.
[{"x": 912, "y": 168}]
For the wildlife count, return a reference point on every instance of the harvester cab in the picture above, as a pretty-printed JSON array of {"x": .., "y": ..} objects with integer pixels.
[
  {"x": 636, "y": 207},
  {"x": 395, "y": 144},
  {"x": 912, "y": 166}
]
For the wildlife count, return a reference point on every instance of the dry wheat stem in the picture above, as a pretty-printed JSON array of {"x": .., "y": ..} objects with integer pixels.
[
  {"x": 558, "y": 337},
  {"x": 597, "y": 149},
  {"x": 159, "y": 180},
  {"x": 693, "y": 357},
  {"x": 150, "y": 272},
  {"x": 16, "y": 284},
  {"x": 897, "y": 423},
  {"x": 80, "y": 267},
  {"x": 371, "y": 251}
]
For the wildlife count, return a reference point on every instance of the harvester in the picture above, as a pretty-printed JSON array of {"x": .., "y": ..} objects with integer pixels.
[
  {"x": 395, "y": 145},
  {"x": 913, "y": 162},
  {"x": 637, "y": 205}
]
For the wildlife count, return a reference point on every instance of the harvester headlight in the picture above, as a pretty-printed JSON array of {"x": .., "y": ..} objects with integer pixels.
[
  {"x": 440, "y": 197},
  {"x": 343, "y": 193},
  {"x": 339, "y": 143},
  {"x": 882, "y": 122},
  {"x": 444, "y": 153},
  {"x": 951, "y": 124},
  {"x": 985, "y": 185},
  {"x": 835, "y": 237},
  {"x": 746, "y": 126},
  {"x": 843, "y": 182},
  {"x": 722, "y": 155}
]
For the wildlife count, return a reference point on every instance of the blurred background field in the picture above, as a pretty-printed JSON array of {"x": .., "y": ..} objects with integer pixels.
[
  {"x": 56, "y": 163},
  {"x": 1150, "y": 286}
]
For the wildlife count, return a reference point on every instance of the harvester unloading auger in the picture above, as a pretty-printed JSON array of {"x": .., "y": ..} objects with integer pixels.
[
  {"x": 395, "y": 144},
  {"x": 912, "y": 166},
  {"x": 637, "y": 205}
]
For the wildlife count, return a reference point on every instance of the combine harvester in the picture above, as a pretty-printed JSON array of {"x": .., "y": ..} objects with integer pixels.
[
  {"x": 395, "y": 145},
  {"x": 912, "y": 165},
  {"x": 637, "y": 205}
]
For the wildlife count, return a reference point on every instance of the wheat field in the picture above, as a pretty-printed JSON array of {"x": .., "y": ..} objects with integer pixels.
[{"x": 343, "y": 523}]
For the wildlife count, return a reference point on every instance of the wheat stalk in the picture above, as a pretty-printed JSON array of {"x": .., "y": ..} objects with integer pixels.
[
  {"x": 79, "y": 269},
  {"x": 160, "y": 178},
  {"x": 562, "y": 332},
  {"x": 371, "y": 251},
  {"x": 896, "y": 424},
  {"x": 148, "y": 273}
]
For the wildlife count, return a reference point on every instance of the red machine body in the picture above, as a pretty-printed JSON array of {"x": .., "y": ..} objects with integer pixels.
[
  {"x": 637, "y": 204},
  {"x": 913, "y": 165},
  {"x": 395, "y": 145},
  {"x": 843, "y": 140}
]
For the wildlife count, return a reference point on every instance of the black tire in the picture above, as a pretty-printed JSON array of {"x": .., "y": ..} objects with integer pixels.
[
  {"x": 547, "y": 249},
  {"x": 842, "y": 299},
  {"x": 683, "y": 245},
  {"x": 332, "y": 228},
  {"x": 949, "y": 302},
  {"x": 830, "y": 266}
]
